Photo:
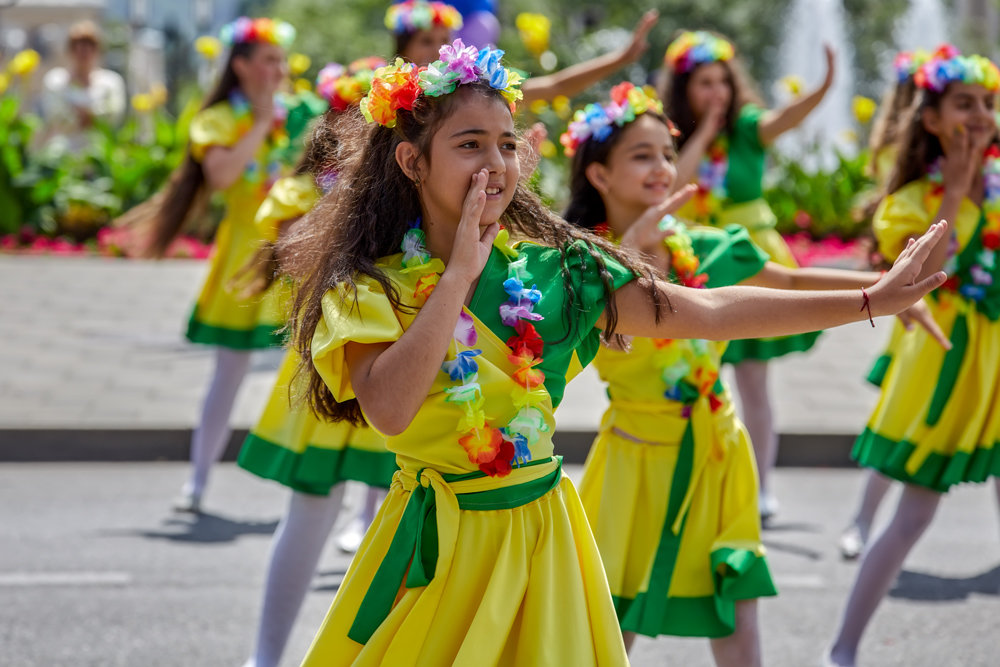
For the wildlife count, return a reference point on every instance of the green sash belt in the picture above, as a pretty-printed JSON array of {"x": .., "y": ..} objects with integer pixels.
[
  {"x": 413, "y": 554},
  {"x": 950, "y": 367}
]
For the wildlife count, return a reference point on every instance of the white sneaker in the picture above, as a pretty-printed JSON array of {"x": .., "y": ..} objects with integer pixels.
[
  {"x": 768, "y": 506},
  {"x": 851, "y": 543},
  {"x": 350, "y": 538},
  {"x": 188, "y": 501}
]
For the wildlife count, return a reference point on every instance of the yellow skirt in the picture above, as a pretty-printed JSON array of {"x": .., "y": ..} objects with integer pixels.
[
  {"x": 676, "y": 518},
  {"x": 221, "y": 317},
  {"x": 293, "y": 446},
  {"x": 937, "y": 422},
  {"x": 521, "y": 586},
  {"x": 876, "y": 375}
]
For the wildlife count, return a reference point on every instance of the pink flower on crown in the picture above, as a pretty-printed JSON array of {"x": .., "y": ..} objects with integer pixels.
[{"x": 461, "y": 59}]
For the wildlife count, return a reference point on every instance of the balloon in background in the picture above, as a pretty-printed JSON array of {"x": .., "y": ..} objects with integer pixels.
[{"x": 480, "y": 29}]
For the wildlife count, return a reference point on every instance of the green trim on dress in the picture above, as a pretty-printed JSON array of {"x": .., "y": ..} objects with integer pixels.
[
  {"x": 876, "y": 375},
  {"x": 764, "y": 349},
  {"x": 259, "y": 338},
  {"x": 316, "y": 470}
]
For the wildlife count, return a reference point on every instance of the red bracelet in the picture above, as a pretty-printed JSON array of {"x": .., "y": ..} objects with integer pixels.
[{"x": 867, "y": 305}]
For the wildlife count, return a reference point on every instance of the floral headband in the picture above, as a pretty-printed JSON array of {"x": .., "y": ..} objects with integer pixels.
[
  {"x": 906, "y": 63},
  {"x": 414, "y": 15},
  {"x": 344, "y": 87},
  {"x": 691, "y": 49},
  {"x": 398, "y": 86},
  {"x": 244, "y": 30},
  {"x": 937, "y": 73},
  {"x": 595, "y": 121}
]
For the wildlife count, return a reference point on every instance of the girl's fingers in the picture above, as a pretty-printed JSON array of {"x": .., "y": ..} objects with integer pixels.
[
  {"x": 923, "y": 317},
  {"x": 679, "y": 198},
  {"x": 475, "y": 200},
  {"x": 489, "y": 234}
]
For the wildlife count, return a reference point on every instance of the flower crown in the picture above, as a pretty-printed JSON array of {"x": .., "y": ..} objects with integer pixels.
[
  {"x": 244, "y": 30},
  {"x": 937, "y": 73},
  {"x": 691, "y": 49},
  {"x": 906, "y": 63},
  {"x": 344, "y": 87},
  {"x": 398, "y": 86},
  {"x": 595, "y": 121},
  {"x": 414, "y": 15}
]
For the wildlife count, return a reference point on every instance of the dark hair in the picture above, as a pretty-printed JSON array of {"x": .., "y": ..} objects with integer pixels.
[
  {"x": 403, "y": 40},
  {"x": 184, "y": 195},
  {"x": 673, "y": 90},
  {"x": 365, "y": 216},
  {"x": 586, "y": 207},
  {"x": 888, "y": 124}
]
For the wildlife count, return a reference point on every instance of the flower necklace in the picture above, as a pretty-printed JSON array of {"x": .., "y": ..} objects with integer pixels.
[
  {"x": 495, "y": 450},
  {"x": 973, "y": 282},
  {"x": 277, "y": 141},
  {"x": 711, "y": 179}
]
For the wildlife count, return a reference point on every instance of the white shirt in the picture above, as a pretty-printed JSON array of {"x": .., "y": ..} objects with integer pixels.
[{"x": 104, "y": 99}]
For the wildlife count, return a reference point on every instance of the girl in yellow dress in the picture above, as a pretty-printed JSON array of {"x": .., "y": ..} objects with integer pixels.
[
  {"x": 290, "y": 444},
  {"x": 239, "y": 146},
  {"x": 670, "y": 487},
  {"x": 457, "y": 350},
  {"x": 724, "y": 134},
  {"x": 936, "y": 422}
]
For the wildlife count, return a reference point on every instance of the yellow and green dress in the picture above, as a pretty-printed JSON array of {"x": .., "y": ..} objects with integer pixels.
[
  {"x": 221, "y": 317},
  {"x": 936, "y": 423},
  {"x": 670, "y": 485},
  {"x": 481, "y": 553},
  {"x": 730, "y": 191},
  {"x": 289, "y": 443}
]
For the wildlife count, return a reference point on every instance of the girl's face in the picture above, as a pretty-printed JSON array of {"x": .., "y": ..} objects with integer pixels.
[
  {"x": 423, "y": 47},
  {"x": 479, "y": 133},
  {"x": 710, "y": 86},
  {"x": 639, "y": 171},
  {"x": 265, "y": 69},
  {"x": 964, "y": 108}
]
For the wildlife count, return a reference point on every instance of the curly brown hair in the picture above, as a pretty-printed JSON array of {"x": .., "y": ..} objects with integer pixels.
[{"x": 365, "y": 216}]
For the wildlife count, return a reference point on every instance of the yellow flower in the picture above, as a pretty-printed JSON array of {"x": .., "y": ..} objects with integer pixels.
[
  {"x": 793, "y": 83},
  {"x": 849, "y": 137},
  {"x": 538, "y": 107},
  {"x": 24, "y": 63},
  {"x": 864, "y": 108},
  {"x": 4, "y": 82},
  {"x": 209, "y": 47},
  {"x": 303, "y": 85},
  {"x": 298, "y": 63},
  {"x": 547, "y": 149},
  {"x": 142, "y": 102},
  {"x": 562, "y": 106},
  {"x": 158, "y": 94},
  {"x": 534, "y": 30}
]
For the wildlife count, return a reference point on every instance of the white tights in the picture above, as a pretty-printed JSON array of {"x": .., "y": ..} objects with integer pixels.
[
  {"x": 876, "y": 486},
  {"x": 880, "y": 566},
  {"x": 212, "y": 434},
  {"x": 295, "y": 553},
  {"x": 755, "y": 401}
]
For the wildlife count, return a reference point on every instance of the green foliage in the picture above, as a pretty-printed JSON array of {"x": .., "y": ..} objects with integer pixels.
[
  {"x": 825, "y": 201},
  {"x": 16, "y": 130}
]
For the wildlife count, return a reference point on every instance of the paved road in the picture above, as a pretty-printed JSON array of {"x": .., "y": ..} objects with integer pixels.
[{"x": 95, "y": 571}]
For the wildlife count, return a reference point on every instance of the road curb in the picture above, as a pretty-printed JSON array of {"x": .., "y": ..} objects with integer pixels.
[{"x": 171, "y": 444}]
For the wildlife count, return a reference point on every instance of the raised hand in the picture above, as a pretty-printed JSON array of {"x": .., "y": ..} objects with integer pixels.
[
  {"x": 639, "y": 45},
  {"x": 472, "y": 244},
  {"x": 920, "y": 314},
  {"x": 831, "y": 65},
  {"x": 645, "y": 234},
  {"x": 899, "y": 288},
  {"x": 962, "y": 161}
]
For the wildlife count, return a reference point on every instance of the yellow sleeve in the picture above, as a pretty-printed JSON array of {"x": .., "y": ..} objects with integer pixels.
[
  {"x": 214, "y": 126},
  {"x": 367, "y": 319},
  {"x": 289, "y": 198},
  {"x": 900, "y": 215}
]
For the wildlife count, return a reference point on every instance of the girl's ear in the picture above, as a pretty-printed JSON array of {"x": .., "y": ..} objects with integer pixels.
[
  {"x": 597, "y": 174},
  {"x": 241, "y": 66},
  {"x": 930, "y": 118},
  {"x": 408, "y": 158}
]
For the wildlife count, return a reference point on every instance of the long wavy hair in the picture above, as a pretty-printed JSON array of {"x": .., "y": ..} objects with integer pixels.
[
  {"x": 185, "y": 194},
  {"x": 365, "y": 216},
  {"x": 586, "y": 207},
  {"x": 673, "y": 90},
  {"x": 889, "y": 123}
]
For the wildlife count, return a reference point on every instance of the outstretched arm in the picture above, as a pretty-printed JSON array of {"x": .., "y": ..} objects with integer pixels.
[
  {"x": 776, "y": 122},
  {"x": 727, "y": 313},
  {"x": 574, "y": 79}
]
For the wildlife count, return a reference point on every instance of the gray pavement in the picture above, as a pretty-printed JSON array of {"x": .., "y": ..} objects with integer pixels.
[
  {"x": 95, "y": 571},
  {"x": 95, "y": 346}
]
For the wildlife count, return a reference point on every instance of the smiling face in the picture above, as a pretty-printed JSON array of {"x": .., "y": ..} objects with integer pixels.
[
  {"x": 639, "y": 171},
  {"x": 478, "y": 133},
  {"x": 710, "y": 85},
  {"x": 964, "y": 108}
]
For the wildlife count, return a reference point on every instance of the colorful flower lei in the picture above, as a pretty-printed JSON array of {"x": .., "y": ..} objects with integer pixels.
[
  {"x": 414, "y": 15},
  {"x": 595, "y": 120},
  {"x": 691, "y": 49},
  {"x": 937, "y": 73},
  {"x": 277, "y": 142},
  {"x": 906, "y": 63},
  {"x": 244, "y": 30},
  {"x": 397, "y": 86},
  {"x": 711, "y": 179},
  {"x": 495, "y": 450},
  {"x": 345, "y": 87},
  {"x": 974, "y": 281}
]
